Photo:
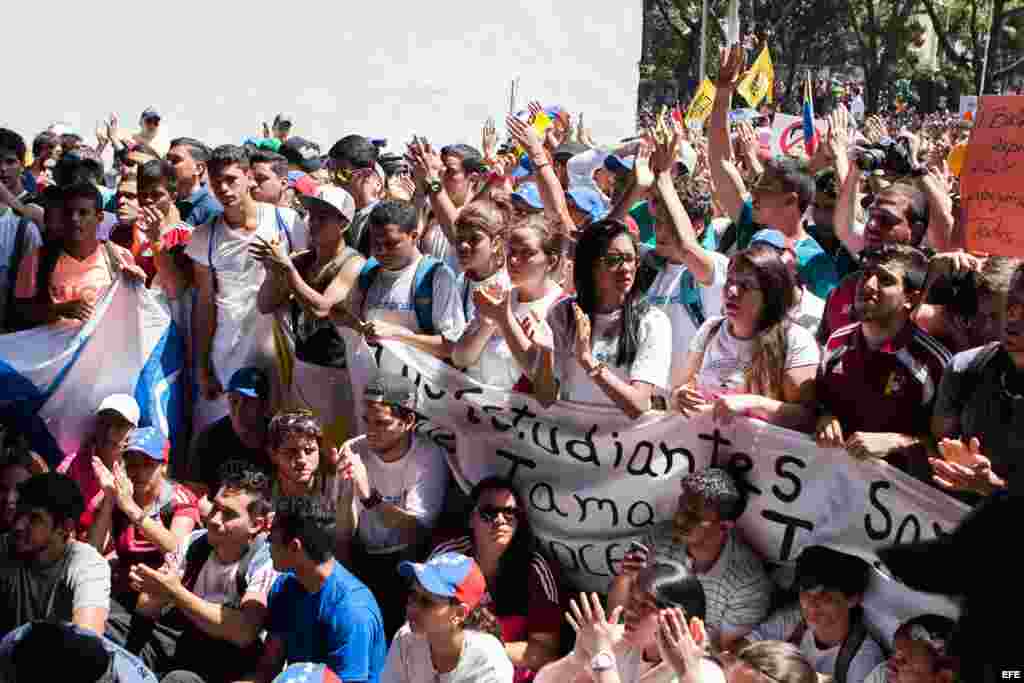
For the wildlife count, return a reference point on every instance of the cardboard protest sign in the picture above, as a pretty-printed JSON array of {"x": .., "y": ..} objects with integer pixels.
[
  {"x": 788, "y": 134},
  {"x": 992, "y": 179}
]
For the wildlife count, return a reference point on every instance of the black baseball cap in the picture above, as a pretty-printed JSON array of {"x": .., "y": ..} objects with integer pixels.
[{"x": 302, "y": 153}]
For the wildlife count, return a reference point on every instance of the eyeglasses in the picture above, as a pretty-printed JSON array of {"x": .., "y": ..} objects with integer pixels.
[
  {"x": 613, "y": 261},
  {"x": 489, "y": 513}
]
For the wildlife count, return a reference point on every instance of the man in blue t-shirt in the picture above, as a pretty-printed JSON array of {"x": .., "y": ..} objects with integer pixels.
[{"x": 319, "y": 612}]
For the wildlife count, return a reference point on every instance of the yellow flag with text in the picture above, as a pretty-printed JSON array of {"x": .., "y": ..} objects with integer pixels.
[
  {"x": 759, "y": 82},
  {"x": 700, "y": 107}
]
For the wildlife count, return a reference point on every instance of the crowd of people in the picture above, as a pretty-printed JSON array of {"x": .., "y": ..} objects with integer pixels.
[{"x": 680, "y": 270}]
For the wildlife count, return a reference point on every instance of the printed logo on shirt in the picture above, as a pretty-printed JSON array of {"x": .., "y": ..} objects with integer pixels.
[
  {"x": 393, "y": 306},
  {"x": 895, "y": 384}
]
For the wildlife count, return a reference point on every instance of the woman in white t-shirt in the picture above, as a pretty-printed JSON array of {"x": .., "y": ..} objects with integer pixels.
[
  {"x": 448, "y": 637},
  {"x": 666, "y": 600},
  {"x": 494, "y": 348},
  {"x": 756, "y": 361},
  {"x": 481, "y": 240},
  {"x": 608, "y": 345}
]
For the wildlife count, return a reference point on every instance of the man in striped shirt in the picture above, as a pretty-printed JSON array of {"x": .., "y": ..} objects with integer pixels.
[
  {"x": 878, "y": 378},
  {"x": 702, "y": 535}
]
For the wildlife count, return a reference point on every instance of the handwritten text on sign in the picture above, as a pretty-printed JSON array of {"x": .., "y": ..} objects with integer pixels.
[{"x": 992, "y": 183}]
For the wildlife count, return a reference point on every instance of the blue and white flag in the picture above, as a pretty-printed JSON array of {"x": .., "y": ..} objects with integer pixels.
[{"x": 53, "y": 378}]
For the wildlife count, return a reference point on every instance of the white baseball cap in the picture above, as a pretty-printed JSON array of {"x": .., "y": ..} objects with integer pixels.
[
  {"x": 122, "y": 404},
  {"x": 334, "y": 197}
]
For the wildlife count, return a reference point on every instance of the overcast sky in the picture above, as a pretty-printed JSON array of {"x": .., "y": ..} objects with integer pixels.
[{"x": 216, "y": 68}]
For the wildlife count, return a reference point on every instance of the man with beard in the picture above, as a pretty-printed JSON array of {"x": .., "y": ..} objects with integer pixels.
[
  {"x": 981, "y": 398},
  {"x": 44, "y": 572},
  {"x": 702, "y": 535},
  {"x": 886, "y": 362}
]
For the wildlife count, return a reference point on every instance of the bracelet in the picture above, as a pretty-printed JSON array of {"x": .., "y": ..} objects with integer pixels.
[{"x": 537, "y": 167}]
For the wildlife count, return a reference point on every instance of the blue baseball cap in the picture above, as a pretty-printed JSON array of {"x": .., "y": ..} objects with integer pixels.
[
  {"x": 617, "y": 164},
  {"x": 529, "y": 193},
  {"x": 523, "y": 168},
  {"x": 772, "y": 237},
  {"x": 307, "y": 673},
  {"x": 588, "y": 201},
  {"x": 149, "y": 441},
  {"x": 252, "y": 382},
  {"x": 449, "y": 575}
]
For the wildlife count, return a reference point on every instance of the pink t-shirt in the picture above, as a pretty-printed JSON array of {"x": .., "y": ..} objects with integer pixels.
[
  {"x": 78, "y": 466},
  {"x": 72, "y": 279}
]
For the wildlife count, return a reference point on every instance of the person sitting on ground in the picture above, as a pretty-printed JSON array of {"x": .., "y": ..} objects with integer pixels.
[
  {"x": 116, "y": 417},
  {"x": 144, "y": 515},
  {"x": 828, "y": 622},
  {"x": 319, "y": 612},
  {"x": 449, "y": 632},
  {"x": 47, "y": 651},
  {"x": 214, "y": 587},
  {"x": 39, "y": 557},
  {"x": 12, "y": 472},
  {"x": 665, "y": 594},
  {"x": 755, "y": 361},
  {"x": 920, "y": 653},
  {"x": 522, "y": 586},
  {"x": 703, "y": 535},
  {"x": 399, "y": 480},
  {"x": 241, "y": 435}
]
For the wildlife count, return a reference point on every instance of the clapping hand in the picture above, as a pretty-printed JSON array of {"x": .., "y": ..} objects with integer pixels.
[
  {"x": 583, "y": 337},
  {"x": 681, "y": 644},
  {"x": 352, "y": 468},
  {"x": 688, "y": 400},
  {"x": 964, "y": 468},
  {"x": 492, "y": 303},
  {"x": 271, "y": 254},
  {"x": 594, "y": 632}
]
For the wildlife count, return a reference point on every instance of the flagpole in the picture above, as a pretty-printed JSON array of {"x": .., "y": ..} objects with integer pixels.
[{"x": 703, "y": 39}]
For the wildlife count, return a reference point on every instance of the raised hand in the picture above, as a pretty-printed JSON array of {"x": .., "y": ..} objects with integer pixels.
[
  {"x": 352, "y": 468},
  {"x": 643, "y": 176},
  {"x": 583, "y": 334},
  {"x": 489, "y": 138},
  {"x": 525, "y": 136},
  {"x": 681, "y": 644},
  {"x": 731, "y": 67},
  {"x": 271, "y": 254},
  {"x": 594, "y": 631}
]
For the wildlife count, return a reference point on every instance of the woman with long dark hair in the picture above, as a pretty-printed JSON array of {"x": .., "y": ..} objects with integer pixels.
[
  {"x": 522, "y": 587},
  {"x": 754, "y": 361},
  {"x": 666, "y": 600},
  {"x": 609, "y": 345}
]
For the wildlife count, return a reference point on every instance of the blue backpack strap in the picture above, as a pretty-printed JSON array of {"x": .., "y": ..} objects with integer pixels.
[
  {"x": 689, "y": 296},
  {"x": 366, "y": 277},
  {"x": 282, "y": 226},
  {"x": 423, "y": 293}
]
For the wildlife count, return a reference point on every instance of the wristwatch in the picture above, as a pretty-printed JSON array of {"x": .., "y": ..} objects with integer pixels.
[
  {"x": 373, "y": 500},
  {"x": 602, "y": 661},
  {"x": 434, "y": 186}
]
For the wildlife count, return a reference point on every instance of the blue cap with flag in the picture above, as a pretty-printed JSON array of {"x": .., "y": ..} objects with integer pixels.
[
  {"x": 149, "y": 441},
  {"x": 528, "y": 192},
  {"x": 588, "y": 201},
  {"x": 307, "y": 673},
  {"x": 617, "y": 164}
]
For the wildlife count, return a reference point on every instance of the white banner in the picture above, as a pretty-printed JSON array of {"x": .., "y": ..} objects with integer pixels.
[{"x": 594, "y": 480}]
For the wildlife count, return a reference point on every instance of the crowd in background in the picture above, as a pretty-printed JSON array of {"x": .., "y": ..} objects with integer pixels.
[{"x": 684, "y": 269}]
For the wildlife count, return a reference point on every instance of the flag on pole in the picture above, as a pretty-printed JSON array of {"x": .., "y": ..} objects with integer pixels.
[
  {"x": 759, "y": 82},
  {"x": 810, "y": 133},
  {"x": 700, "y": 107},
  {"x": 732, "y": 26}
]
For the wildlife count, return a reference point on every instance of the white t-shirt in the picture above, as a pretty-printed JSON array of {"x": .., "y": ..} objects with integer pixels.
[
  {"x": 664, "y": 294},
  {"x": 784, "y": 623},
  {"x": 879, "y": 675},
  {"x": 244, "y": 336},
  {"x": 632, "y": 667},
  {"x": 416, "y": 483},
  {"x": 8, "y": 232},
  {"x": 483, "y": 660},
  {"x": 436, "y": 244},
  {"x": 651, "y": 365},
  {"x": 217, "y": 582},
  {"x": 390, "y": 298},
  {"x": 809, "y": 312},
  {"x": 727, "y": 359},
  {"x": 496, "y": 365}
]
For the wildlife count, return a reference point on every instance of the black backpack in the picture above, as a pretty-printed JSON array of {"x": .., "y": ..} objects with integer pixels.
[{"x": 847, "y": 651}]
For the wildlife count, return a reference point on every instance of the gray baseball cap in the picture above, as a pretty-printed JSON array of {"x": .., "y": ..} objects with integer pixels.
[{"x": 392, "y": 389}]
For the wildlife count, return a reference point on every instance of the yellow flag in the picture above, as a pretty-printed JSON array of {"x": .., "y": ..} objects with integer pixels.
[
  {"x": 759, "y": 82},
  {"x": 700, "y": 107}
]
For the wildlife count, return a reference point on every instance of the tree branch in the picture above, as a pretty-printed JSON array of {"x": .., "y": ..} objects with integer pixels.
[
  {"x": 668, "y": 20},
  {"x": 943, "y": 36},
  {"x": 1007, "y": 69}
]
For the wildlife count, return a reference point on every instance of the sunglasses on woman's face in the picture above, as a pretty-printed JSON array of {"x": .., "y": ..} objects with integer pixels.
[
  {"x": 489, "y": 513},
  {"x": 612, "y": 261}
]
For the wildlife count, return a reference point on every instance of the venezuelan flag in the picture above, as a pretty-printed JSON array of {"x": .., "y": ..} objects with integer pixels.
[{"x": 810, "y": 133}]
